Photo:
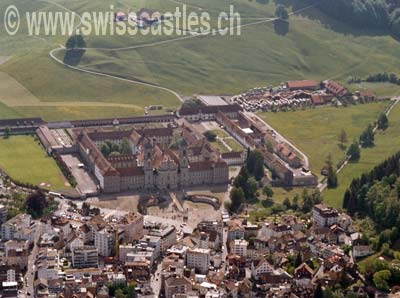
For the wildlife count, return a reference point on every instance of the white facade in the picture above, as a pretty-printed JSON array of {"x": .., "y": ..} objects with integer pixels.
[
  {"x": 324, "y": 215},
  {"x": 48, "y": 266},
  {"x": 198, "y": 259},
  {"x": 85, "y": 257},
  {"x": 104, "y": 240},
  {"x": 271, "y": 230},
  {"x": 262, "y": 268},
  {"x": 167, "y": 235},
  {"x": 240, "y": 247},
  {"x": 17, "y": 228}
]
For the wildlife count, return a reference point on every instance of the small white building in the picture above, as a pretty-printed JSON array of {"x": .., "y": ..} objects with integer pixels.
[
  {"x": 240, "y": 247},
  {"x": 325, "y": 216}
]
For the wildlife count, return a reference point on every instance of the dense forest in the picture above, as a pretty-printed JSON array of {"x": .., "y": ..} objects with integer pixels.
[
  {"x": 377, "y": 14},
  {"x": 377, "y": 195}
]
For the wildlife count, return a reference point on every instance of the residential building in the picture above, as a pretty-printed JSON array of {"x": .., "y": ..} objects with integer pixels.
[
  {"x": 360, "y": 251},
  {"x": 198, "y": 259},
  {"x": 274, "y": 230},
  {"x": 133, "y": 227},
  {"x": 239, "y": 247},
  {"x": 17, "y": 253},
  {"x": 324, "y": 215},
  {"x": 175, "y": 285},
  {"x": 3, "y": 214},
  {"x": 303, "y": 275},
  {"x": 236, "y": 230},
  {"x": 18, "y": 228},
  {"x": 167, "y": 235},
  {"x": 48, "y": 264},
  {"x": 85, "y": 257},
  {"x": 104, "y": 241}
]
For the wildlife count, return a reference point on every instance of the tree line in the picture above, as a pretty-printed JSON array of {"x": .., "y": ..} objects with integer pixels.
[
  {"x": 377, "y": 78},
  {"x": 376, "y": 195},
  {"x": 376, "y": 14}
]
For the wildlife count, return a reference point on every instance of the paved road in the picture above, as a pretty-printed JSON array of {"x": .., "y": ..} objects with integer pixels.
[
  {"x": 155, "y": 280},
  {"x": 52, "y": 55},
  {"x": 30, "y": 274}
]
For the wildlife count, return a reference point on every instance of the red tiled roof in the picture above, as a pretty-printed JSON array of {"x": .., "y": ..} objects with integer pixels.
[
  {"x": 157, "y": 132},
  {"x": 131, "y": 171},
  {"x": 302, "y": 84},
  {"x": 231, "y": 155},
  {"x": 336, "y": 88}
]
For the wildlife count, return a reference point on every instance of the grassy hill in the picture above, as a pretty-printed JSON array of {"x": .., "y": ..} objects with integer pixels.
[{"x": 313, "y": 45}]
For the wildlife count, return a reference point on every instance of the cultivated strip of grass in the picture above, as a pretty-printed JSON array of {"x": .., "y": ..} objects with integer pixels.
[{"x": 25, "y": 160}]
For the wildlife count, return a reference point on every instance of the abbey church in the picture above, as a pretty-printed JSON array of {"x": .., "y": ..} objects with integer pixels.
[{"x": 161, "y": 159}]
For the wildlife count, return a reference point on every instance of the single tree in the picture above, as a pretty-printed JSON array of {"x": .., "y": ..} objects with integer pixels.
[
  {"x": 119, "y": 294},
  {"x": 268, "y": 192},
  {"x": 281, "y": 12},
  {"x": 36, "y": 203},
  {"x": 105, "y": 150},
  {"x": 332, "y": 178},
  {"x": 354, "y": 151},
  {"x": 237, "y": 198},
  {"x": 367, "y": 137},
  {"x": 295, "y": 204},
  {"x": 318, "y": 293},
  {"x": 342, "y": 138},
  {"x": 252, "y": 187},
  {"x": 255, "y": 164},
  {"x": 286, "y": 203},
  {"x": 75, "y": 42},
  {"x": 298, "y": 261},
  {"x": 126, "y": 148},
  {"x": 381, "y": 279},
  {"x": 210, "y": 135},
  {"x": 383, "y": 121},
  {"x": 7, "y": 132}
]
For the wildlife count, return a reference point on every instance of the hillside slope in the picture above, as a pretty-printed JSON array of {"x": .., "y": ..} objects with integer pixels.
[{"x": 312, "y": 45}]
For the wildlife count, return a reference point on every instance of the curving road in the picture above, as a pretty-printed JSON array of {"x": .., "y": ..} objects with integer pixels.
[
  {"x": 52, "y": 55},
  {"x": 193, "y": 35}
]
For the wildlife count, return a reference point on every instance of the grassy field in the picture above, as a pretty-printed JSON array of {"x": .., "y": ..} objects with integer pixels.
[
  {"x": 235, "y": 146},
  {"x": 380, "y": 89},
  {"x": 316, "y": 131},
  {"x": 219, "y": 146},
  {"x": 386, "y": 144},
  {"x": 26, "y": 161},
  {"x": 220, "y": 133},
  {"x": 312, "y": 46}
]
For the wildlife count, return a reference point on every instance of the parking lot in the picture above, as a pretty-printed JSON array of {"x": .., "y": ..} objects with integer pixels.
[{"x": 86, "y": 184}]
